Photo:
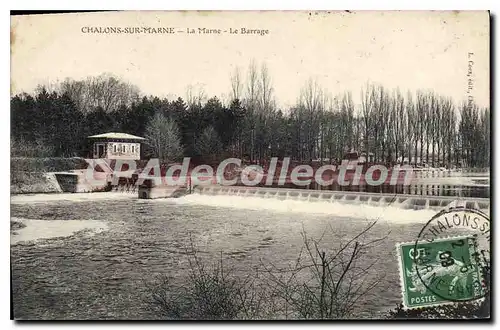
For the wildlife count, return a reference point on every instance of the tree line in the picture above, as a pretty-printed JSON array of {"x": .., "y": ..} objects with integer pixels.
[{"x": 387, "y": 126}]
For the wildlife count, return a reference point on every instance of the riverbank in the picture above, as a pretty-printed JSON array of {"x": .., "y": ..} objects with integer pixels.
[
  {"x": 33, "y": 175},
  {"x": 33, "y": 183}
]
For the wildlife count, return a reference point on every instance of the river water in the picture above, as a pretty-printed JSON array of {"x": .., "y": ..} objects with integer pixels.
[{"x": 98, "y": 272}]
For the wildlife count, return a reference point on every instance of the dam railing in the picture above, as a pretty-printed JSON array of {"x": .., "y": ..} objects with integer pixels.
[{"x": 348, "y": 197}]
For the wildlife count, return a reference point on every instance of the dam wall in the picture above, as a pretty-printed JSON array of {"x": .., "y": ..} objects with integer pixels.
[
  {"x": 76, "y": 181},
  {"x": 406, "y": 201}
]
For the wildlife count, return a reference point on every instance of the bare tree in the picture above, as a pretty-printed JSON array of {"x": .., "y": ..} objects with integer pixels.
[
  {"x": 347, "y": 115},
  {"x": 485, "y": 131},
  {"x": 398, "y": 126},
  {"x": 163, "y": 135},
  {"x": 449, "y": 130},
  {"x": 195, "y": 95},
  {"x": 412, "y": 126},
  {"x": 312, "y": 101},
  {"x": 253, "y": 90},
  {"x": 381, "y": 121},
  {"x": 250, "y": 103},
  {"x": 236, "y": 84},
  {"x": 105, "y": 91},
  {"x": 266, "y": 102},
  {"x": 442, "y": 128},
  {"x": 264, "y": 113},
  {"x": 367, "y": 110},
  {"x": 421, "y": 120}
]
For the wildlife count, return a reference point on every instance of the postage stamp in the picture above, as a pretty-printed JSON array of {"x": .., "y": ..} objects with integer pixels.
[{"x": 439, "y": 272}]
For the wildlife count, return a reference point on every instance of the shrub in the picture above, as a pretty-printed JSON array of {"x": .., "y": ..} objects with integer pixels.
[
  {"x": 321, "y": 285},
  {"x": 327, "y": 284},
  {"x": 212, "y": 293}
]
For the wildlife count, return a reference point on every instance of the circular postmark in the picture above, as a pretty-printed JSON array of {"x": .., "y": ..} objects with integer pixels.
[{"x": 451, "y": 253}]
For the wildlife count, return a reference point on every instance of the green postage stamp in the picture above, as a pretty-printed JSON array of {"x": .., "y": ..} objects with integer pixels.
[{"x": 440, "y": 271}]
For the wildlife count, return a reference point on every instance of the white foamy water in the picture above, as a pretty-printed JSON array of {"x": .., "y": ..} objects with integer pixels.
[
  {"x": 37, "y": 229},
  {"x": 73, "y": 197},
  {"x": 359, "y": 211}
]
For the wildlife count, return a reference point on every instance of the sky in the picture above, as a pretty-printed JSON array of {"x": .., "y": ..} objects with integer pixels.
[{"x": 342, "y": 51}]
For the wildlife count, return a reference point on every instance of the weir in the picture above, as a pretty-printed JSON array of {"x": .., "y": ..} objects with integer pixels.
[
  {"x": 416, "y": 202},
  {"x": 162, "y": 192}
]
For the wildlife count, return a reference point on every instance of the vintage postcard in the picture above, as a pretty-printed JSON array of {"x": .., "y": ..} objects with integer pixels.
[{"x": 261, "y": 165}]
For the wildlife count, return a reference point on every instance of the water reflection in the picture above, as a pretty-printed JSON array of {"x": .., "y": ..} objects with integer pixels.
[{"x": 476, "y": 191}]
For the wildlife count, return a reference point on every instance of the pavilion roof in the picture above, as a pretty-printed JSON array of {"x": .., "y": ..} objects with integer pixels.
[{"x": 113, "y": 135}]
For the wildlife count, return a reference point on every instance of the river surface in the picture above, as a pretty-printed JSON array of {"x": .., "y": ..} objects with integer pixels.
[{"x": 66, "y": 270}]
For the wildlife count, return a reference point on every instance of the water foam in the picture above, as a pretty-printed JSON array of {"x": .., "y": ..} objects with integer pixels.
[
  {"x": 358, "y": 211},
  {"x": 37, "y": 229},
  {"x": 73, "y": 197}
]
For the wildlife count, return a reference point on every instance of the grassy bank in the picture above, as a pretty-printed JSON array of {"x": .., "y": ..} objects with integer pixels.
[
  {"x": 29, "y": 175},
  {"x": 47, "y": 164},
  {"x": 32, "y": 183}
]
